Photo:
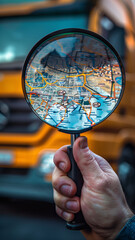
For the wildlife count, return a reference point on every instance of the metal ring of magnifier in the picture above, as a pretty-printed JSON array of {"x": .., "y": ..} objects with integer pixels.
[{"x": 81, "y": 77}]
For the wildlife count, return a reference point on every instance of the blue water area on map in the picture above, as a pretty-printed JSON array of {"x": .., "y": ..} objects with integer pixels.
[
  {"x": 79, "y": 90},
  {"x": 105, "y": 107},
  {"x": 119, "y": 80},
  {"x": 76, "y": 118}
]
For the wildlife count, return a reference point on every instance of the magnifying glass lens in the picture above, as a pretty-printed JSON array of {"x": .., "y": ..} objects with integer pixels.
[{"x": 73, "y": 80}]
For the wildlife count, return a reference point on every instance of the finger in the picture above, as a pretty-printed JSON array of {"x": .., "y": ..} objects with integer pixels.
[
  {"x": 71, "y": 205},
  {"x": 86, "y": 160},
  {"x": 65, "y": 215},
  {"x": 63, "y": 184},
  {"x": 61, "y": 159}
]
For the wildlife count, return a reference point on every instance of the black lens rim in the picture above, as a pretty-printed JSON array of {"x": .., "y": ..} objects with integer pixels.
[{"x": 67, "y": 31}]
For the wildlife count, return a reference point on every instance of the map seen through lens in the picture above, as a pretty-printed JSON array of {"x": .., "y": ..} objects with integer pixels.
[{"x": 73, "y": 81}]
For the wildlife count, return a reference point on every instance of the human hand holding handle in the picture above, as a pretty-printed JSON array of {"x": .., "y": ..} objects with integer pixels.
[{"x": 102, "y": 200}]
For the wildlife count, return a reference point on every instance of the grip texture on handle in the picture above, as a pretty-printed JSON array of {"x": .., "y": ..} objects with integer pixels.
[{"x": 78, "y": 223}]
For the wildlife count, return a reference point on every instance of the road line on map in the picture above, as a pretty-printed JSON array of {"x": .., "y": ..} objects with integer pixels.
[
  {"x": 84, "y": 110},
  {"x": 62, "y": 118}
]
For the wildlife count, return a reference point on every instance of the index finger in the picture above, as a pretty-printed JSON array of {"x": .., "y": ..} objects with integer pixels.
[{"x": 61, "y": 159}]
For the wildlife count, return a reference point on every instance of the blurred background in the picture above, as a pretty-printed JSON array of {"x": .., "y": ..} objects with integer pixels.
[{"x": 27, "y": 145}]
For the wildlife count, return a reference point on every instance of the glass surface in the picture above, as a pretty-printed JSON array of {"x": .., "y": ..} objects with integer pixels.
[
  {"x": 3, "y": 2},
  {"x": 17, "y": 35},
  {"x": 73, "y": 80}
]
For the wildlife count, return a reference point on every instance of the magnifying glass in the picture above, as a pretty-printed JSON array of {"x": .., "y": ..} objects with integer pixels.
[{"x": 73, "y": 79}]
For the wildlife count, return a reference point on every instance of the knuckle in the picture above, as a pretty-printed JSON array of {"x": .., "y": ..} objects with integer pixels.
[
  {"x": 59, "y": 200},
  {"x": 55, "y": 178},
  {"x": 88, "y": 156},
  {"x": 56, "y": 157},
  {"x": 63, "y": 214},
  {"x": 60, "y": 159},
  {"x": 58, "y": 211},
  {"x": 56, "y": 197},
  {"x": 59, "y": 154},
  {"x": 70, "y": 205},
  {"x": 107, "y": 182}
]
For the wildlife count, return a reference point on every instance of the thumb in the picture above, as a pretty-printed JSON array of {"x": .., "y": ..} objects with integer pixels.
[{"x": 86, "y": 160}]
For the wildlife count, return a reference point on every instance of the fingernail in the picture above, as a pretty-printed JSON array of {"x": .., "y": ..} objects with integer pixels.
[
  {"x": 66, "y": 189},
  {"x": 62, "y": 166},
  {"x": 83, "y": 143},
  {"x": 67, "y": 216},
  {"x": 72, "y": 205}
]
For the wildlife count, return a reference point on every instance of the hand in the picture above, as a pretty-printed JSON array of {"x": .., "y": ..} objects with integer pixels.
[{"x": 102, "y": 200}]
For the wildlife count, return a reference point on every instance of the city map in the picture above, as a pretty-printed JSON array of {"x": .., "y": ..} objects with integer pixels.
[{"x": 73, "y": 81}]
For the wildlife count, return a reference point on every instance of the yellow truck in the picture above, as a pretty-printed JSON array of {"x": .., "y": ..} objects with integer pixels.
[{"x": 27, "y": 145}]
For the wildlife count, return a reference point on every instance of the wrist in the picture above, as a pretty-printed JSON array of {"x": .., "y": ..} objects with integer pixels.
[
  {"x": 128, "y": 231},
  {"x": 110, "y": 234},
  {"x": 121, "y": 224}
]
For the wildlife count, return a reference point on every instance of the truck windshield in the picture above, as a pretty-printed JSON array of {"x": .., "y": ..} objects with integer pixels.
[
  {"x": 19, "y": 34},
  {"x": 3, "y": 2}
]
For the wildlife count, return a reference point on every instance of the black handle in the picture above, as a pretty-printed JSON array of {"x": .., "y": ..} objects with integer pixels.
[{"x": 78, "y": 223}]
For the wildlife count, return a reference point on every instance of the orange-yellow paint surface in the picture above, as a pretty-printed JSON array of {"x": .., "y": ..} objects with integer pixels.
[
  {"x": 106, "y": 139},
  {"x": 10, "y": 84}
]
